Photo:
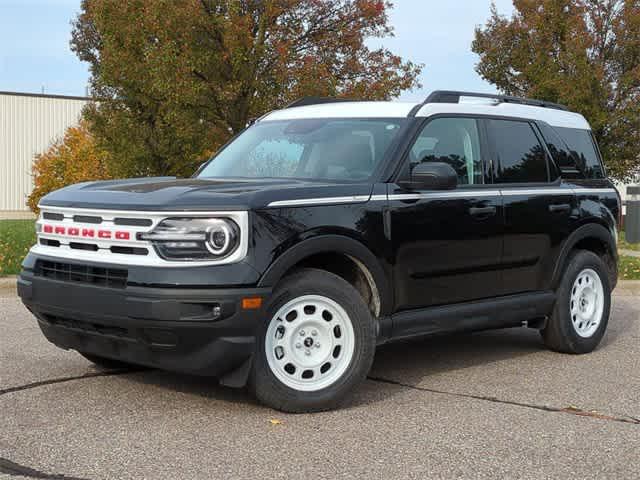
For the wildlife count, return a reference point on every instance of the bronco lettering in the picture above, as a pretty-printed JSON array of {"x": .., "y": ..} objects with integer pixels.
[{"x": 86, "y": 232}]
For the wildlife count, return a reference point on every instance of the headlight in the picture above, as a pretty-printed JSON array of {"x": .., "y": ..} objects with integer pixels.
[{"x": 194, "y": 238}]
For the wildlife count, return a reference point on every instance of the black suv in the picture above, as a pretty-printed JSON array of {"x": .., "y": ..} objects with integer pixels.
[{"x": 327, "y": 228}]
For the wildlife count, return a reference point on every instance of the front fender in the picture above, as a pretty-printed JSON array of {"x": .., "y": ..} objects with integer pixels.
[{"x": 331, "y": 244}]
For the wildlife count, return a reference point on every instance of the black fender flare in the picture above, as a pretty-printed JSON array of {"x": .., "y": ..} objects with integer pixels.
[
  {"x": 591, "y": 230},
  {"x": 332, "y": 244}
]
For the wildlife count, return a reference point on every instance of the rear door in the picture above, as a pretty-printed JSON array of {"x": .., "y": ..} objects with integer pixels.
[
  {"x": 538, "y": 206},
  {"x": 446, "y": 245}
]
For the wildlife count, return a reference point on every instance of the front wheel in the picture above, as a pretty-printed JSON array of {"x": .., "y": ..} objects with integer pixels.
[
  {"x": 316, "y": 345},
  {"x": 583, "y": 302}
]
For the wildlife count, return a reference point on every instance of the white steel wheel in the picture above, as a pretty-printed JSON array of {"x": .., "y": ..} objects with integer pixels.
[
  {"x": 309, "y": 343},
  {"x": 586, "y": 303}
]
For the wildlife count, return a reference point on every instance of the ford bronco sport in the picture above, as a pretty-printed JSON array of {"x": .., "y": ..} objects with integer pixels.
[{"x": 327, "y": 228}]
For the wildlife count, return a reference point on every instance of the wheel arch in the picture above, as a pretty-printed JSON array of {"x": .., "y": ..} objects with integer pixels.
[
  {"x": 593, "y": 237},
  {"x": 318, "y": 251}
]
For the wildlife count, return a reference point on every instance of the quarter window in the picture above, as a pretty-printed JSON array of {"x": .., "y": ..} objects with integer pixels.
[
  {"x": 454, "y": 141},
  {"x": 520, "y": 156},
  {"x": 583, "y": 151}
]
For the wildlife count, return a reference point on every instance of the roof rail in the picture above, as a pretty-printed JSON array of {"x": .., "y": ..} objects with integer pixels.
[
  {"x": 306, "y": 101},
  {"x": 450, "y": 96}
]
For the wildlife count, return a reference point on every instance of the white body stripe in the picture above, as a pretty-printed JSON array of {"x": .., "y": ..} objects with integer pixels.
[
  {"x": 587, "y": 191},
  {"x": 505, "y": 192},
  {"x": 440, "y": 195},
  {"x": 539, "y": 191},
  {"x": 320, "y": 201},
  {"x": 444, "y": 195}
]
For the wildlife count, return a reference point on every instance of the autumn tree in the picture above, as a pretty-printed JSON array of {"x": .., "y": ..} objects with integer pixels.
[
  {"x": 74, "y": 158},
  {"x": 176, "y": 78},
  {"x": 582, "y": 53}
]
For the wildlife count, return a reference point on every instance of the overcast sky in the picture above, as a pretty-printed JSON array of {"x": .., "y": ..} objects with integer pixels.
[{"x": 35, "y": 54}]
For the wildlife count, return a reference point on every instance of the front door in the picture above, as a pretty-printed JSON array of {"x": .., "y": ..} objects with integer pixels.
[{"x": 447, "y": 245}]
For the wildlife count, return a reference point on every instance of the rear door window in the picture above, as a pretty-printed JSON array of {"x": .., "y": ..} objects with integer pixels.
[
  {"x": 520, "y": 156},
  {"x": 560, "y": 152}
]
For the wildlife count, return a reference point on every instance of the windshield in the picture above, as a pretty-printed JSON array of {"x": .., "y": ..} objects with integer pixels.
[{"x": 322, "y": 149}]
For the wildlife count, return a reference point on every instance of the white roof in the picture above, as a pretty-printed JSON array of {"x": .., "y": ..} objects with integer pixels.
[
  {"x": 554, "y": 117},
  {"x": 344, "y": 110}
]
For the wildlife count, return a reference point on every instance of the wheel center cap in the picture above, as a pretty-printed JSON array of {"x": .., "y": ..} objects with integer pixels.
[{"x": 308, "y": 342}]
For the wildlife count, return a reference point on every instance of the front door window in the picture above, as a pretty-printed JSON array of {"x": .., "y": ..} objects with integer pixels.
[{"x": 454, "y": 141}]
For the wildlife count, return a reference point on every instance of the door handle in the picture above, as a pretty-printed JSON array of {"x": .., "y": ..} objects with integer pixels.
[
  {"x": 559, "y": 207},
  {"x": 477, "y": 211}
]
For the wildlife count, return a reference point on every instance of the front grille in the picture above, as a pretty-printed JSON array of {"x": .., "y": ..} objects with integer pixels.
[
  {"x": 58, "y": 217},
  {"x": 69, "y": 272},
  {"x": 133, "y": 222},
  {"x": 83, "y": 246},
  {"x": 112, "y": 237},
  {"x": 87, "y": 219},
  {"x": 96, "y": 232},
  {"x": 49, "y": 243}
]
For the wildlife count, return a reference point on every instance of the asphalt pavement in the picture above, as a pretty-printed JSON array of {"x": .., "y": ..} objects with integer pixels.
[{"x": 486, "y": 405}]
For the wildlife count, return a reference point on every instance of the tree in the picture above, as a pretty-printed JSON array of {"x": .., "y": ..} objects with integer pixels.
[
  {"x": 582, "y": 53},
  {"x": 176, "y": 78},
  {"x": 75, "y": 158}
]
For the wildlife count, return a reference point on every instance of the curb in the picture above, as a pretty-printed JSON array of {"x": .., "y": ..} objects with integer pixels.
[
  {"x": 8, "y": 283},
  {"x": 627, "y": 288}
]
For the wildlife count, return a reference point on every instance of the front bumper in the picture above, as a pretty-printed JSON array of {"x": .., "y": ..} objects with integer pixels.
[{"x": 171, "y": 328}]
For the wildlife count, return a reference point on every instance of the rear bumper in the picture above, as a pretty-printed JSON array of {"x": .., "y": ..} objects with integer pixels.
[{"x": 169, "y": 328}]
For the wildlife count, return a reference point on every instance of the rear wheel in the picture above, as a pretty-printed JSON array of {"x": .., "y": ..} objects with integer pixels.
[
  {"x": 583, "y": 302},
  {"x": 106, "y": 363},
  {"x": 317, "y": 344}
]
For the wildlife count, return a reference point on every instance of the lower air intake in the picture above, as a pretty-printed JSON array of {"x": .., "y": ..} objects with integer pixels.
[{"x": 68, "y": 272}]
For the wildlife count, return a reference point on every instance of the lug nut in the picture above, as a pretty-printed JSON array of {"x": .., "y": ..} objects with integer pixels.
[
  {"x": 298, "y": 345},
  {"x": 302, "y": 333},
  {"x": 314, "y": 333},
  {"x": 317, "y": 345},
  {"x": 308, "y": 352}
]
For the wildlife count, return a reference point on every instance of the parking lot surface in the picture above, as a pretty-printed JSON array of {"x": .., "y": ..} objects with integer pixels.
[{"x": 485, "y": 405}]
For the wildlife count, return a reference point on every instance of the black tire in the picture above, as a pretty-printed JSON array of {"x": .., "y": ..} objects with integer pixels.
[
  {"x": 559, "y": 333},
  {"x": 269, "y": 390},
  {"x": 107, "y": 363}
]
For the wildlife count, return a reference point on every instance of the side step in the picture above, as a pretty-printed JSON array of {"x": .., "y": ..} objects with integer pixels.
[{"x": 501, "y": 312}]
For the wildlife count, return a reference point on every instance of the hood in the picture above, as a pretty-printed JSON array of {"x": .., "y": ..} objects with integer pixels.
[{"x": 172, "y": 194}]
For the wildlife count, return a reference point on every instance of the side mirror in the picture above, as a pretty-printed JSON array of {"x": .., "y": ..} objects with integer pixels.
[{"x": 432, "y": 176}]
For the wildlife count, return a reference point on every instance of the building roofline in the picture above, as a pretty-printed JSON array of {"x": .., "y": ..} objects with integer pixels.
[{"x": 46, "y": 95}]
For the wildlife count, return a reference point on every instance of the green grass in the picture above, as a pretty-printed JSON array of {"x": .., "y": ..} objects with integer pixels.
[
  {"x": 16, "y": 238},
  {"x": 623, "y": 245},
  {"x": 629, "y": 268}
]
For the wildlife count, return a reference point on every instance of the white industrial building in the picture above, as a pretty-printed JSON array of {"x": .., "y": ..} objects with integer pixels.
[{"x": 29, "y": 123}]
